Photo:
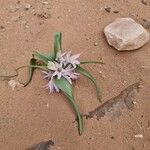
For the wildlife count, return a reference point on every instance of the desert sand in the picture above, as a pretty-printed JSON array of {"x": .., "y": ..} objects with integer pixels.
[{"x": 30, "y": 115}]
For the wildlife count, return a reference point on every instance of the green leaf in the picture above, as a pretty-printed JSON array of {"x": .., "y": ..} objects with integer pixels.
[
  {"x": 57, "y": 43},
  {"x": 31, "y": 71},
  {"x": 50, "y": 56},
  {"x": 89, "y": 76},
  {"x": 39, "y": 67},
  {"x": 42, "y": 57},
  {"x": 66, "y": 87},
  {"x": 92, "y": 62}
]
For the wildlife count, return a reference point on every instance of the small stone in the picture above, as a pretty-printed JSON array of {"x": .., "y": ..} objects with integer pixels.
[
  {"x": 13, "y": 84},
  {"x": 134, "y": 102},
  {"x": 91, "y": 138},
  {"x": 2, "y": 27},
  {"x": 44, "y": 2},
  {"x": 148, "y": 126},
  {"x": 145, "y": 67},
  {"x": 144, "y": 2},
  {"x": 125, "y": 34},
  {"x": 18, "y": 2},
  {"x": 108, "y": 9},
  {"x": 144, "y": 145},
  {"x": 44, "y": 15},
  {"x": 27, "y": 6},
  {"x": 24, "y": 22},
  {"x": 116, "y": 11},
  {"x": 58, "y": 147},
  {"x": 140, "y": 86},
  {"x": 112, "y": 137},
  {"x": 139, "y": 136},
  {"x": 95, "y": 44}
]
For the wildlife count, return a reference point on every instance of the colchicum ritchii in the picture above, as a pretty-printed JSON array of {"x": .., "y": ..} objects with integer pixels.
[{"x": 60, "y": 70}]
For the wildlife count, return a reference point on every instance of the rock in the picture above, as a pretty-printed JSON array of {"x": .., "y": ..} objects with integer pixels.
[
  {"x": 139, "y": 136},
  {"x": 108, "y": 9},
  {"x": 44, "y": 2},
  {"x": 116, "y": 11},
  {"x": 27, "y": 6},
  {"x": 95, "y": 44},
  {"x": 44, "y": 15},
  {"x": 44, "y": 145},
  {"x": 126, "y": 34},
  {"x": 2, "y": 27},
  {"x": 13, "y": 84},
  {"x": 144, "y": 2}
]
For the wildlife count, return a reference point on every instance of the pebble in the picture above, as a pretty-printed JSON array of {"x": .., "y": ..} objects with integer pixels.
[
  {"x": 140, "y": 86},
  {"x": 2, "y": 27},
  {"x": 148, "y": 128},
  {"x": 27, "y": 6},
  {"x": 24, "y": 23},
  {"x": 144, "y": 2},
  {"x": 116, "y": 11},
  {"x": 13, "y": 84},
  {"x": 95, "y": 44},
  {"x": 134, "y": 102},
  {"x": 108, "y": 9},
  {"x": 44, "y": 2},
  {"x": 44, "y": 15},
  {"x": 139, "y": 136},
  {"x": 145, "y": 67}
]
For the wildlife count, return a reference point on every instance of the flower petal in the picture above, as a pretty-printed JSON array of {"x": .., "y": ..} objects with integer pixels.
[{"x": 76, "y": 56}]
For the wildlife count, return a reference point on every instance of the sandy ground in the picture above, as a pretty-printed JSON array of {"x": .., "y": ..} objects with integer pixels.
[{"x": 30, "y": 115}]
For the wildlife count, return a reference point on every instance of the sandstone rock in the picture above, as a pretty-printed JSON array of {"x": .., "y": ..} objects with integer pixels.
[{"x": 126, "y": 34}]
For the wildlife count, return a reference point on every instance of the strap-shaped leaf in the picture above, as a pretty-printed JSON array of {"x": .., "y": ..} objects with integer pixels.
[
  {"x": 50, "y": 56},
  {"x": 42, "y": 57},
  {"x": 39, "y": 67},
  {"x": 89, "y": 76},
  {"x": 66, "y": 88},
  {"x": 57, "y": 43},
  {"x": 92, "y": 62},
  {"x": 31, "y": 71}
]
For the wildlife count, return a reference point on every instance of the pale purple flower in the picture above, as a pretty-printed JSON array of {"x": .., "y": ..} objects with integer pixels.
[
  {"x": 48, "y": 75},
  {"x": 51, "y": 86},
  {"x": 68, "y": 58},
  {"x": 64, "y": 66}
]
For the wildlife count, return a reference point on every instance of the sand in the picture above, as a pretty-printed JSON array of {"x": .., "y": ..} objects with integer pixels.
[{"x": 29, "y": 115}]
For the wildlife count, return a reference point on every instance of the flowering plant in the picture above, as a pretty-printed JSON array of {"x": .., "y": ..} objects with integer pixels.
[{"x": 60, "y": 69}]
